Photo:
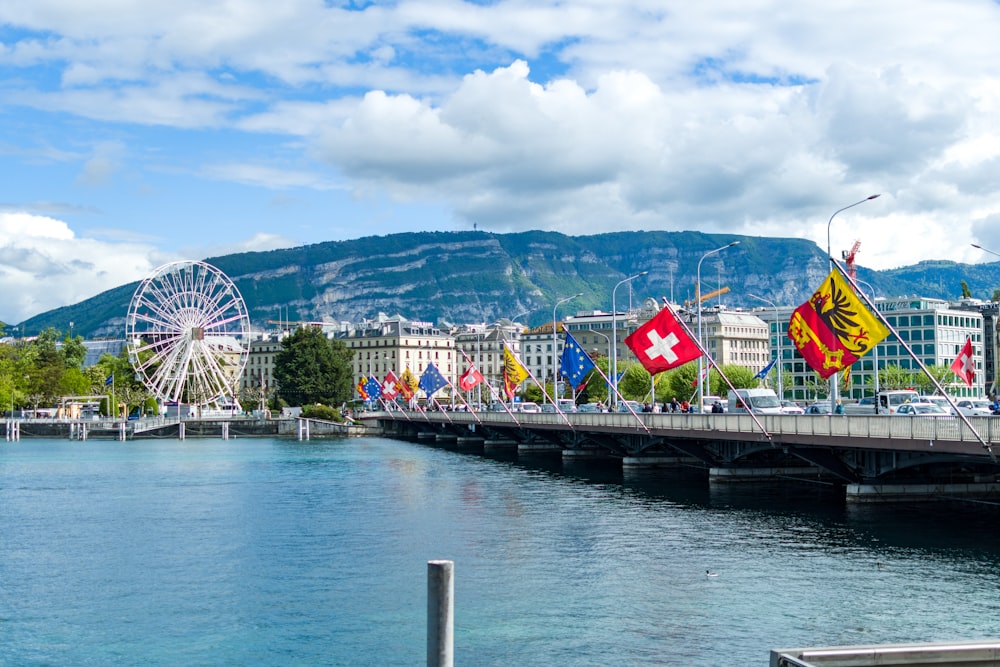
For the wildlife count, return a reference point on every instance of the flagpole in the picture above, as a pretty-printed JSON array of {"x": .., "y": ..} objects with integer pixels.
[
  {"x": 542, "y": 387},
  {"x": 906, "y": 346},
  {"x": 715, "y": 365}
]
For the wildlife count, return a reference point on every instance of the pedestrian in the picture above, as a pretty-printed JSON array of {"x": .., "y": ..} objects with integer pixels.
[
  {"x": 840, "y": 408},
  {"x": 685, "y": 406},
  {"x": 674, "y": 405}
]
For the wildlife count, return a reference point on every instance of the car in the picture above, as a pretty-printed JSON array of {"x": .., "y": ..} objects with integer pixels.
[
  {"x": 819, "y": 408},
  {"x": 937, "y": 400},
  {"x": 528, "y": 406},
  {"x": 974, "y": 407},
  {"x": 635, "y": 405},
  {"x": 587, "y": 407},
  {"x": 921, "y": 410},
  {"x": 791, "y": 408},
  {"x": 547, "y": 408}
]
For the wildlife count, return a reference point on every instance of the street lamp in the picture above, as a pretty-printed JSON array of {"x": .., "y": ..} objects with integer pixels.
[
  {"x": 985, "y": 249},
  {"x": 555, "y": 345},
  {"x": 614, "y": 340},
  {"x": 777, "y": 324},
  {"x": 697, "y": 297},
  {"x": 874, "y": 350},
  {"x": 835, "y": 378}
]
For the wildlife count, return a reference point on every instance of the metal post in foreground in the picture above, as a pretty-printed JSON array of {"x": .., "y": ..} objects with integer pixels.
[{"x": 440, "y": 613}]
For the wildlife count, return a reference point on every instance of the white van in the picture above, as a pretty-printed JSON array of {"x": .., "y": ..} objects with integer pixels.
[
  {"x": 528, "y": 406},
  {"x": 761, "y": 401}
]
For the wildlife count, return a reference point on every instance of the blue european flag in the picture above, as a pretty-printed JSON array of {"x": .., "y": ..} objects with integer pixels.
[
  {"x": 431, "y": 380},
  {"x": 575, "y": 362},
  {"x": 109, "y": 380},
  {"x": 767, "y": 369},
  {"x": 373, "y": 388}
]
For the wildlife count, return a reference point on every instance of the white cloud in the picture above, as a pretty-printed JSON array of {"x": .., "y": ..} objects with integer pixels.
[{"x": 44, "y": 265}]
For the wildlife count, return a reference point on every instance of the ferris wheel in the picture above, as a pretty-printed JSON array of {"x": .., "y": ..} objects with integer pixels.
[{"x": 187, "y": 333}]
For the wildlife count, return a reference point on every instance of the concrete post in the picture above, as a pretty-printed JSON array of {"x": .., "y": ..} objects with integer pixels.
[{"x": 440, "y": 613}]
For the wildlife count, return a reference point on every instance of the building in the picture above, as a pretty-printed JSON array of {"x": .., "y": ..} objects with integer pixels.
[
  {"x": 397, "y": 344},
  {"x": 739, "y": 338},
  {"x": 483, "y": 345},
  {"x": 933, "y": 329}
]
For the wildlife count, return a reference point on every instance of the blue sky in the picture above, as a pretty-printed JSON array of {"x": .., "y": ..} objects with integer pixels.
[{"x": 136, "y": 133}]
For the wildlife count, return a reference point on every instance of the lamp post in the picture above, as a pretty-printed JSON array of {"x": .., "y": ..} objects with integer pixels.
[
  {"x": 555, "y": 345},
  {"x": 613, "y": 401},
  {"x": 835, "y": 378},
  {"x": 777, "y": 324},
  {"x": 979, "y": 247},
  {"x": 874, "y": 350},
  {"x": 697, "y": 297}
]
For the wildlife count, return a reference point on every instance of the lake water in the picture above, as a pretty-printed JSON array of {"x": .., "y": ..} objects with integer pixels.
[{"x": 279, "y": 552}]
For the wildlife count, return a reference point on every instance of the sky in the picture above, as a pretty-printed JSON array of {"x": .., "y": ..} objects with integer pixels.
[{"x": 135, "y": 133}]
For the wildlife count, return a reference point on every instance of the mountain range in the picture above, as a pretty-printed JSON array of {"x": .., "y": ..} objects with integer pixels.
[{"x": 464, "y": 277}]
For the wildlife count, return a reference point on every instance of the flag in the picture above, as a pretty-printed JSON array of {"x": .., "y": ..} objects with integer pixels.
[
  {"x": 108, "y": 381},
  {"x": 390, "y": 386},
  {"x": 575, "y": 362},
  {"x": 514, "y": 373},
  {"x": 405, "y": 384},
  {"x": 767, "y": 369},
  {"x": 661, "y": 343},
  {"x": 470, "y": 378},
  {"x": 361, "y": 388},
  {"x": 963, "y": 365},
  {"x": 373, "y": 388},
  {"x": 431, "y": 380},
  {"x": 833, "y": 329},
  {"x": 704, "y": 376}
]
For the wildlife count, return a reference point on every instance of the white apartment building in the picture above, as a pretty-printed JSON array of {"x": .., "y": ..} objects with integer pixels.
[
  {"x": 482, "y": 345},
  {"x": 396, "y": 344}
]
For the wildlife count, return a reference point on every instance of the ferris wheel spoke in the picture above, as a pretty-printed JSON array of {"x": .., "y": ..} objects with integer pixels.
[{"x": 186, "y": 331}]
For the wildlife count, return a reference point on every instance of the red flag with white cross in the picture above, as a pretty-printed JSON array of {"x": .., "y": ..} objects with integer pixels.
[
  {"x": 963, "y": 365},
  {"x": 662, "y": 343}
]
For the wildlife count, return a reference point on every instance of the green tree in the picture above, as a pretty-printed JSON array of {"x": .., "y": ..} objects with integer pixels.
[
  {"x": 311, "y": 368},
  {"x": 894, "y": 376},
  {"x": 923, "y": 383},
  {"x": 966, "y": 292},
  {"x": 680, "y": 381}
]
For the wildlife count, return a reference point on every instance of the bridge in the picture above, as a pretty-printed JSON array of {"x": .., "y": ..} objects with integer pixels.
[{"x": 874, "y": 458}]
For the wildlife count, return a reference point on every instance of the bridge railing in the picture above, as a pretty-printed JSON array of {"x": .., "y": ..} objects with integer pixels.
[{"x": 833, "y": 426}]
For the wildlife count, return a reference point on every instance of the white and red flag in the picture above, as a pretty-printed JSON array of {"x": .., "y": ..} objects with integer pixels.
[
  {"x": 963, "y": 364},
  {"x": 470, "y": 378},
  {"x": 390, "y": 386},
  {"x": 662, "y": 343}
]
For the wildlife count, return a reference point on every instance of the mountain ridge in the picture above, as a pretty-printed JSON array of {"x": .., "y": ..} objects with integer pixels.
[{"x": 472, "y": 276}]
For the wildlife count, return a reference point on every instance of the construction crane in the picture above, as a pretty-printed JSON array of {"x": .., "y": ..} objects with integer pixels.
[
  {"x": 705, "y": 297},
  {"x": 852, "y": 268}
]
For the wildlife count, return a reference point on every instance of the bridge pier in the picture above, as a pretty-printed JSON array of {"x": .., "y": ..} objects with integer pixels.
[
  {"x": 538, "y": 448},
  {"x": 469, "y": 443},
  {"x": 736, "y": 475},
  {"x": 499, "y": 445},
  {"x": 653, "y": 462},
  {"x": 890, "y": 493},
  {"x": 587, "y": 454}
]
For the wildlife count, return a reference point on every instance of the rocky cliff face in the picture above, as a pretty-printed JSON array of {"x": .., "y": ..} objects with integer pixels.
[{"x": 481, "y": 277}]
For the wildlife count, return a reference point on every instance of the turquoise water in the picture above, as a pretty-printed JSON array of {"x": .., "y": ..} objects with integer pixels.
[{"x": 277, "y": 552}]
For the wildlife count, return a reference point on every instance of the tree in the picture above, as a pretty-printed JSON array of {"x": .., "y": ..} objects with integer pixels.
[
  {"x": 311, "y": 368},
  {"x": 943, "y": 374},
  {"x": 895, "y": 377},
  {"x": 966, "y": 292}
]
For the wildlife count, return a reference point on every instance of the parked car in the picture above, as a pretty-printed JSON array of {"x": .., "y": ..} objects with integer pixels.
[
  {"x": 635, "y": 405},
  {"x": 921, "y": 410},
  {"x": 819, "y": 408},
  {"x": 791, "y": 408},
  {"x": 528, "y": 406},
  {"x": 974, "y": 407},
  {"x": 587, "y": 407}
]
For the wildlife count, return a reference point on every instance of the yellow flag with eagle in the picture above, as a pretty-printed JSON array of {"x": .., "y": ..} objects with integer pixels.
[{"x": 834, "y": 328}]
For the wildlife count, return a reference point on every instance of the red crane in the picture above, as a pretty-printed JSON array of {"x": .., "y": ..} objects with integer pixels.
[{"x": 852, "y": 268}]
